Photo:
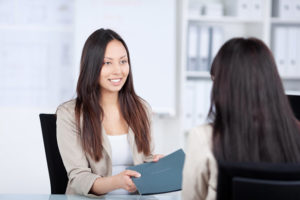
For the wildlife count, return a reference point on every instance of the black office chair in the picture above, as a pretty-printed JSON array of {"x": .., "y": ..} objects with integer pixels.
[
  {"x": 295, "y": 104},
  {"x": 57, "y": 172},
  {"x": 249, "y": 181}
]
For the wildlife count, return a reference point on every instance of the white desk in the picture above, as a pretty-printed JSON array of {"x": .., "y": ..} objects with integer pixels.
[{"x": 167, "y": 196}]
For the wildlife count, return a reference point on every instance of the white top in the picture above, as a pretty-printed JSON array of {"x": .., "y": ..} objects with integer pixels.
[{"x": 121, "y": 157}]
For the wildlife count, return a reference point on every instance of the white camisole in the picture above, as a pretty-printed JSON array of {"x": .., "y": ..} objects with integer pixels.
[{"x": 121, "y": 157}]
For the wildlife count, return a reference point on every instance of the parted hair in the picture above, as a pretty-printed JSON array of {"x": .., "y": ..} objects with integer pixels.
[{"x": 133, "y": 108}]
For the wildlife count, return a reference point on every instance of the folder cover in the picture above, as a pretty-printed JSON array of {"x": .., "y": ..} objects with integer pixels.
[{"x": 162, "y": 176}]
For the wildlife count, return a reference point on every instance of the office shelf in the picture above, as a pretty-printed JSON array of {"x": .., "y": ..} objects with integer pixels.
[
  {"x": 232, "y": 26},
  {"x": 198, "y": 74},
  {"x": 275, "y": 20},
  {"x": 223, "y": 19}
]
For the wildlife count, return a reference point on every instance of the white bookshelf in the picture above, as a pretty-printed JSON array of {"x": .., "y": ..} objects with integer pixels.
[
  {"x": 232, "y": 26},
  {"x": 222, "y": 19},
  {"x": 276, "y": 20},
  {"x": 198, "y": 74}
]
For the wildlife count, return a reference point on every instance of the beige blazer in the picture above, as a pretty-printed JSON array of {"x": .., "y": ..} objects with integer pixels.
[
  {"x": 82, "y": 170},
  {"x": 200, "y": 167}
]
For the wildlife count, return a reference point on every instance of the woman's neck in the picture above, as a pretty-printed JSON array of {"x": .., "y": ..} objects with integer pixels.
[{"x": 109, "y": 99}]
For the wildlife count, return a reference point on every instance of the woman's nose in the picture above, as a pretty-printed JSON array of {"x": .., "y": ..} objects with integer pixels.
[{"x": 117, "y": 68}]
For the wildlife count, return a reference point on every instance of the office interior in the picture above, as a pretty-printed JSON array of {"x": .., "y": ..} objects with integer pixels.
[{"x": 171, "y": 43}]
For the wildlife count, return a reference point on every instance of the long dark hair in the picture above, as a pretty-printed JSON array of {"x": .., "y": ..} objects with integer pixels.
[
  {"x": 133, "y": 108},
  {"x": 252, "y": 119}
]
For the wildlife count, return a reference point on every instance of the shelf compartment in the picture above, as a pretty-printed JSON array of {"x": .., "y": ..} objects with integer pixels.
[
  {"x": 276, "y": 20},
  {"x": 198, "y": 74},
  {"x": 223, "y": 19}
]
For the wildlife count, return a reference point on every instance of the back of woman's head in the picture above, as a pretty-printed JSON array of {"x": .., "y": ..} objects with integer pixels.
[{"x": 252, "y": 119}]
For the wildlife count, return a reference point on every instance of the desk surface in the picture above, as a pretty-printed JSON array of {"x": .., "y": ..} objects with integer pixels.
[{"x": 167, "y": 196}]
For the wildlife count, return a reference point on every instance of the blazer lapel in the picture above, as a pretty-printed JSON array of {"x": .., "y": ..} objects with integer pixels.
[
  {"x": 106, "y": 143},
  {"x": 136, "y": 156}
]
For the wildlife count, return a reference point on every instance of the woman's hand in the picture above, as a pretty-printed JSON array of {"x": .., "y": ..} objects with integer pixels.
[
  {"x": 156, "y": 157},
  {"x": 125, "y": 181}
]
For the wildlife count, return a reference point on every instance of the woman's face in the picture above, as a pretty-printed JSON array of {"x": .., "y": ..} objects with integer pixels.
[{"x": 115, "y": 67}]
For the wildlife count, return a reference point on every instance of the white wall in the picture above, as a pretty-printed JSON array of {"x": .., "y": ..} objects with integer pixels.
[{"x": 23, "y": 167}]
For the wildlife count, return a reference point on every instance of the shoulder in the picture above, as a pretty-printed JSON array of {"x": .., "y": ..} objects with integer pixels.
[
  {"x": 201, "y": 135},
  {"x": 200, "y": 150},
  {"x": 199, "y": 167},
  {"x": 65, "y": 119},
  {"x": 146, "y": 106},
  {"x": 66, "y": 107},
  {"x": 66, "y": 111},
  {"x": 199, "y": 146}
]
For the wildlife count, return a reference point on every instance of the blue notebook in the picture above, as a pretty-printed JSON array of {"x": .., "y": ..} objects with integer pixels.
[{"x": 162, "y": 176}]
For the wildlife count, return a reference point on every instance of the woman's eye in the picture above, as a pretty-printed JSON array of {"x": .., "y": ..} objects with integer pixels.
[
  {"x": 107, "y": 63},
  {"x": 123, "y": 61}
]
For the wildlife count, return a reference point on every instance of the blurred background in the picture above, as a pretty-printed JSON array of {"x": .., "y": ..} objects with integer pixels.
[{"x": 171, "y": 43}]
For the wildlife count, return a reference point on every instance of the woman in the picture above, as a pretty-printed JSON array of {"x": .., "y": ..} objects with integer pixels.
[
  {"x": 251, "y": 118},
  {"x": 107, "y": 127}
]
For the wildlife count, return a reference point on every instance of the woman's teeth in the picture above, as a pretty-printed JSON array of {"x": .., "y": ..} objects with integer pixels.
[{"x": 115, "y": 80}]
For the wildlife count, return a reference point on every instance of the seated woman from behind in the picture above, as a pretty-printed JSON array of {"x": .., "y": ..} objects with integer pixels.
[{"x": 251, "y": 120}]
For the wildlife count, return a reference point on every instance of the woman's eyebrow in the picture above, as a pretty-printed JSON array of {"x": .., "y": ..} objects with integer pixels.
[{"x": 112, "y": 58}]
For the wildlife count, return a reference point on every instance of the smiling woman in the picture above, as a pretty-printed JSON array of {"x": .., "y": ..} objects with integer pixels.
[
  {"x": 115, "y": 67},
  {"x": 107, "y": 127}
]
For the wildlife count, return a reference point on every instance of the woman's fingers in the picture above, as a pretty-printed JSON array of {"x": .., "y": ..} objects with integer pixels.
[
  {"x": 132, "y": 173},
  {"x": 157, "y": 157},
  {"x": 130, "y": 186}
]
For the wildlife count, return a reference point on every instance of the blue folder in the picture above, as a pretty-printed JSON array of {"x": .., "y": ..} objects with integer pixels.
[{"x": 162, "y": 176}]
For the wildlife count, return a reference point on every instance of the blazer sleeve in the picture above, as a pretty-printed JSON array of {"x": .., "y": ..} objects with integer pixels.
[
  {"x": 74, "y": 158},
  {"x": 199, "y": 178},
  {"x": 149, "y": 158}
]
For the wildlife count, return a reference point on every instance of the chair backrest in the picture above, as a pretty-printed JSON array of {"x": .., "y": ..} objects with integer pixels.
[
  {"x": 57, "y": 172},
  {"x": 258, "y": 181},
  {"x": 295, "y": 104}
]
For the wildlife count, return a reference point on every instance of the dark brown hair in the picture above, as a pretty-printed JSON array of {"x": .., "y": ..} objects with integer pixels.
[
  {"x": 133, "y": 108},
  {"x": 252, "y": 119}
]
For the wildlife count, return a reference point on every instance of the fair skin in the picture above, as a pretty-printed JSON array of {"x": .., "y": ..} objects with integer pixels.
[{"x": 113, "y": 76}]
